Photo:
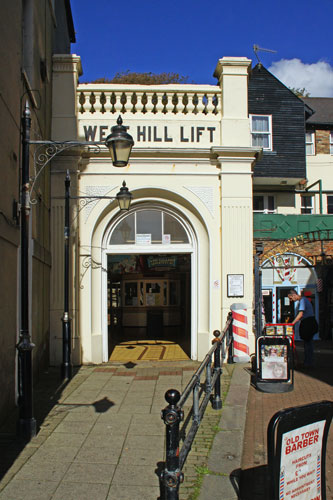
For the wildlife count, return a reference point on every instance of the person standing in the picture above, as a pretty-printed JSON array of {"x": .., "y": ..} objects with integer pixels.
[{"x": 308, "y": 325}]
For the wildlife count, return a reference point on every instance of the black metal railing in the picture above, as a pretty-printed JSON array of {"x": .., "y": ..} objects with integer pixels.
[{"x": 202, "y": 391}]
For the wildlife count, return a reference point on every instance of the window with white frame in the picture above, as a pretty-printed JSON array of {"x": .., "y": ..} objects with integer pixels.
[
  {"x": 149, "y": 226},
  {"x": 309, "y": 143},
  {"x": 330, "y": 204},
  {"x": 331, "y": 143},
  {"x": 263, "y": 203},
  {"x": 306, "y": 204},
  {"x": 261, "y": 131}
]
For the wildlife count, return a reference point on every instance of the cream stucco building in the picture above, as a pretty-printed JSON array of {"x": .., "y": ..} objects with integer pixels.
[
  {"x": 215, "y": 169},
  {"x": 163, "y": 266}
]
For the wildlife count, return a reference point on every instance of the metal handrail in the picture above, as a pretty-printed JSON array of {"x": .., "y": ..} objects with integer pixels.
[{"x": 173, "y": 414}]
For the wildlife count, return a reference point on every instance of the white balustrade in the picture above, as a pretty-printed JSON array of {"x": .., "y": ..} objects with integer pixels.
[
  {"x": 173, "y": 100},
  {"x": 139, "y": 104}
]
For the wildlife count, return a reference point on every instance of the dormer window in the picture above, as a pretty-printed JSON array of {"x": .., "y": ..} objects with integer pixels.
[{"x": 261, "y": 131}]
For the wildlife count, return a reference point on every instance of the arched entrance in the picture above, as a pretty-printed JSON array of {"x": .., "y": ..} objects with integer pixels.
[{"x": 150, "y": 256}]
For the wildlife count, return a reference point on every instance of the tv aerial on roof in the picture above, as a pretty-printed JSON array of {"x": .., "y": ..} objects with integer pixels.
[{"x": 257, "y": 49}]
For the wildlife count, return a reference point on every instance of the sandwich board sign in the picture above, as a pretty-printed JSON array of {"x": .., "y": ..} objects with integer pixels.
[{"x": 297, "y": 440}]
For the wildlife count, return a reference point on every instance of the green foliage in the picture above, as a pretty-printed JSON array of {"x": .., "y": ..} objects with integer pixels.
[
  {"x": 144, "y": 78},
  {"x": 300, "y": 92}
]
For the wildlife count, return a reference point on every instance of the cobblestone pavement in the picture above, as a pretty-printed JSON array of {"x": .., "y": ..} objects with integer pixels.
[
  {"x": 101, "y": 436},
  {"x": 310, "y": 386}
]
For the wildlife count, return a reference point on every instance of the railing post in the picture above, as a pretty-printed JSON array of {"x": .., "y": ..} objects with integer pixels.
[
  {"x": 171, "y": 476},
  {"x": 196, "y": 391},
  {"x": 208, "y": 388},
  {"x": 230, "y": 344},
  {"x": 217, "y": 401}
]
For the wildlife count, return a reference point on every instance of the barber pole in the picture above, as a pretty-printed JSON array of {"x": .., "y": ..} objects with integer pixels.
[{"x": 240, "y": 333}]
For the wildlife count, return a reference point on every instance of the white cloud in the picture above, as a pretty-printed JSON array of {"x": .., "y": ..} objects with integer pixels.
[{"x": 316, "y": 78}]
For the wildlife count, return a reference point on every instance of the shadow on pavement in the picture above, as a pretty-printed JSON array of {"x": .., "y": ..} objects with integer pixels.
[
  {"x": 254, "y": 483},
  {"x": 323, "y": 357},
  {"x": 160, "y": 466},
  {"x": 46, "y": 395}
]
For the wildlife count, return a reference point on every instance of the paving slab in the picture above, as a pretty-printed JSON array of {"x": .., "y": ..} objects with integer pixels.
[
  {"x": 81, "y": 491},
  {"x": 213, "y": 486},
  {"x": 89, "y": 473},
  {"x": 25, "y": 489},
  {"x": 133, "y": 492},
  {"x": 135, "y": 475}
]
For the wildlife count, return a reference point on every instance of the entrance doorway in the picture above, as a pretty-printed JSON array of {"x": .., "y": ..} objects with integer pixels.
[
  {"x": 149, "y": 304},
  {"x": 285, "y": 306}
]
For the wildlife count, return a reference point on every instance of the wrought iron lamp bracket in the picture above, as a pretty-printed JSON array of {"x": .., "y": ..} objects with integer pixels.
[{"x": 45, "y": 152}]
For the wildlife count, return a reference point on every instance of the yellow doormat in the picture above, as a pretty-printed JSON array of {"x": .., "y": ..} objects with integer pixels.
[{"x": 148, "y": 350}]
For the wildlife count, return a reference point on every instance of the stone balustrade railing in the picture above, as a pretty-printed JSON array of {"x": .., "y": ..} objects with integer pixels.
[{"x": 172, "y": 100}]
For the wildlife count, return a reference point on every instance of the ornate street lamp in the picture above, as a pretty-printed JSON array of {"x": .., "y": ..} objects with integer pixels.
[
  {"x": 119, "y": 143},
  {"x": 124, "y": 197}
]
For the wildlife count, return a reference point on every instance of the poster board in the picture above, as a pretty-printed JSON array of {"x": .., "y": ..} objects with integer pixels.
[
  {"x": 300, "y": 464},
  {"x": 297, "y": 439},
  {"x": 274, "y": 359}
]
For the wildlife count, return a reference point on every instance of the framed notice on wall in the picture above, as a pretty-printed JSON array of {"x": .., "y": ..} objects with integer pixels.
[{"x": 235, "y": 285}]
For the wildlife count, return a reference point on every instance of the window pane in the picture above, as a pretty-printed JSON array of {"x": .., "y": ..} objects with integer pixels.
[
  {"x": 306, "y": 207},
  {"x": 309, "y": 149},
  {"x": 165, "y": 288},
  {"x": 173, "y": 295},
  {"x": 124, "y": 232},
  {"x": 175, "y": 229},
  {"x": 150, "y": 222},
  {"x": 260, "y": 123},
  {"x": 271, "y": 206},
  {"x": 307, "y": 201},
  {"x": 131, "y": 294},
  {"x": 260, "y": 140},
  {"x": 153, "y": 294},
  {"x": 330, "y": 204},
  {"x": 258, "y": 203}
]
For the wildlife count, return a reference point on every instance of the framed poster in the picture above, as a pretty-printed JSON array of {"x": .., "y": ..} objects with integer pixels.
[
  {"x": 235, "y": 285},
  {"x": 301, "y": 462},
  {"x": 274, "y": 358},
  {"x": 274, "y": 362}
]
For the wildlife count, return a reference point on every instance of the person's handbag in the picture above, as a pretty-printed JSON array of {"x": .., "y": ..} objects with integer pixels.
[{"x": 308, "y": 328}]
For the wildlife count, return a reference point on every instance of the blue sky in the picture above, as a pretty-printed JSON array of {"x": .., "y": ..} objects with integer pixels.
[{"x": 189, "y": 36}]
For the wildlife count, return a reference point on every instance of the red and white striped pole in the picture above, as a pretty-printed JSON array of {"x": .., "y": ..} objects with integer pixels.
[{"x": 240, "y": 333}]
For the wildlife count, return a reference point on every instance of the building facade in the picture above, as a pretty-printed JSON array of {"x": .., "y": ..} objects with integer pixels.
[
  {"x": 215, "y": 171},
  {"x": 162, "y": 267},
  {"x": 34, "y": 30}
]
